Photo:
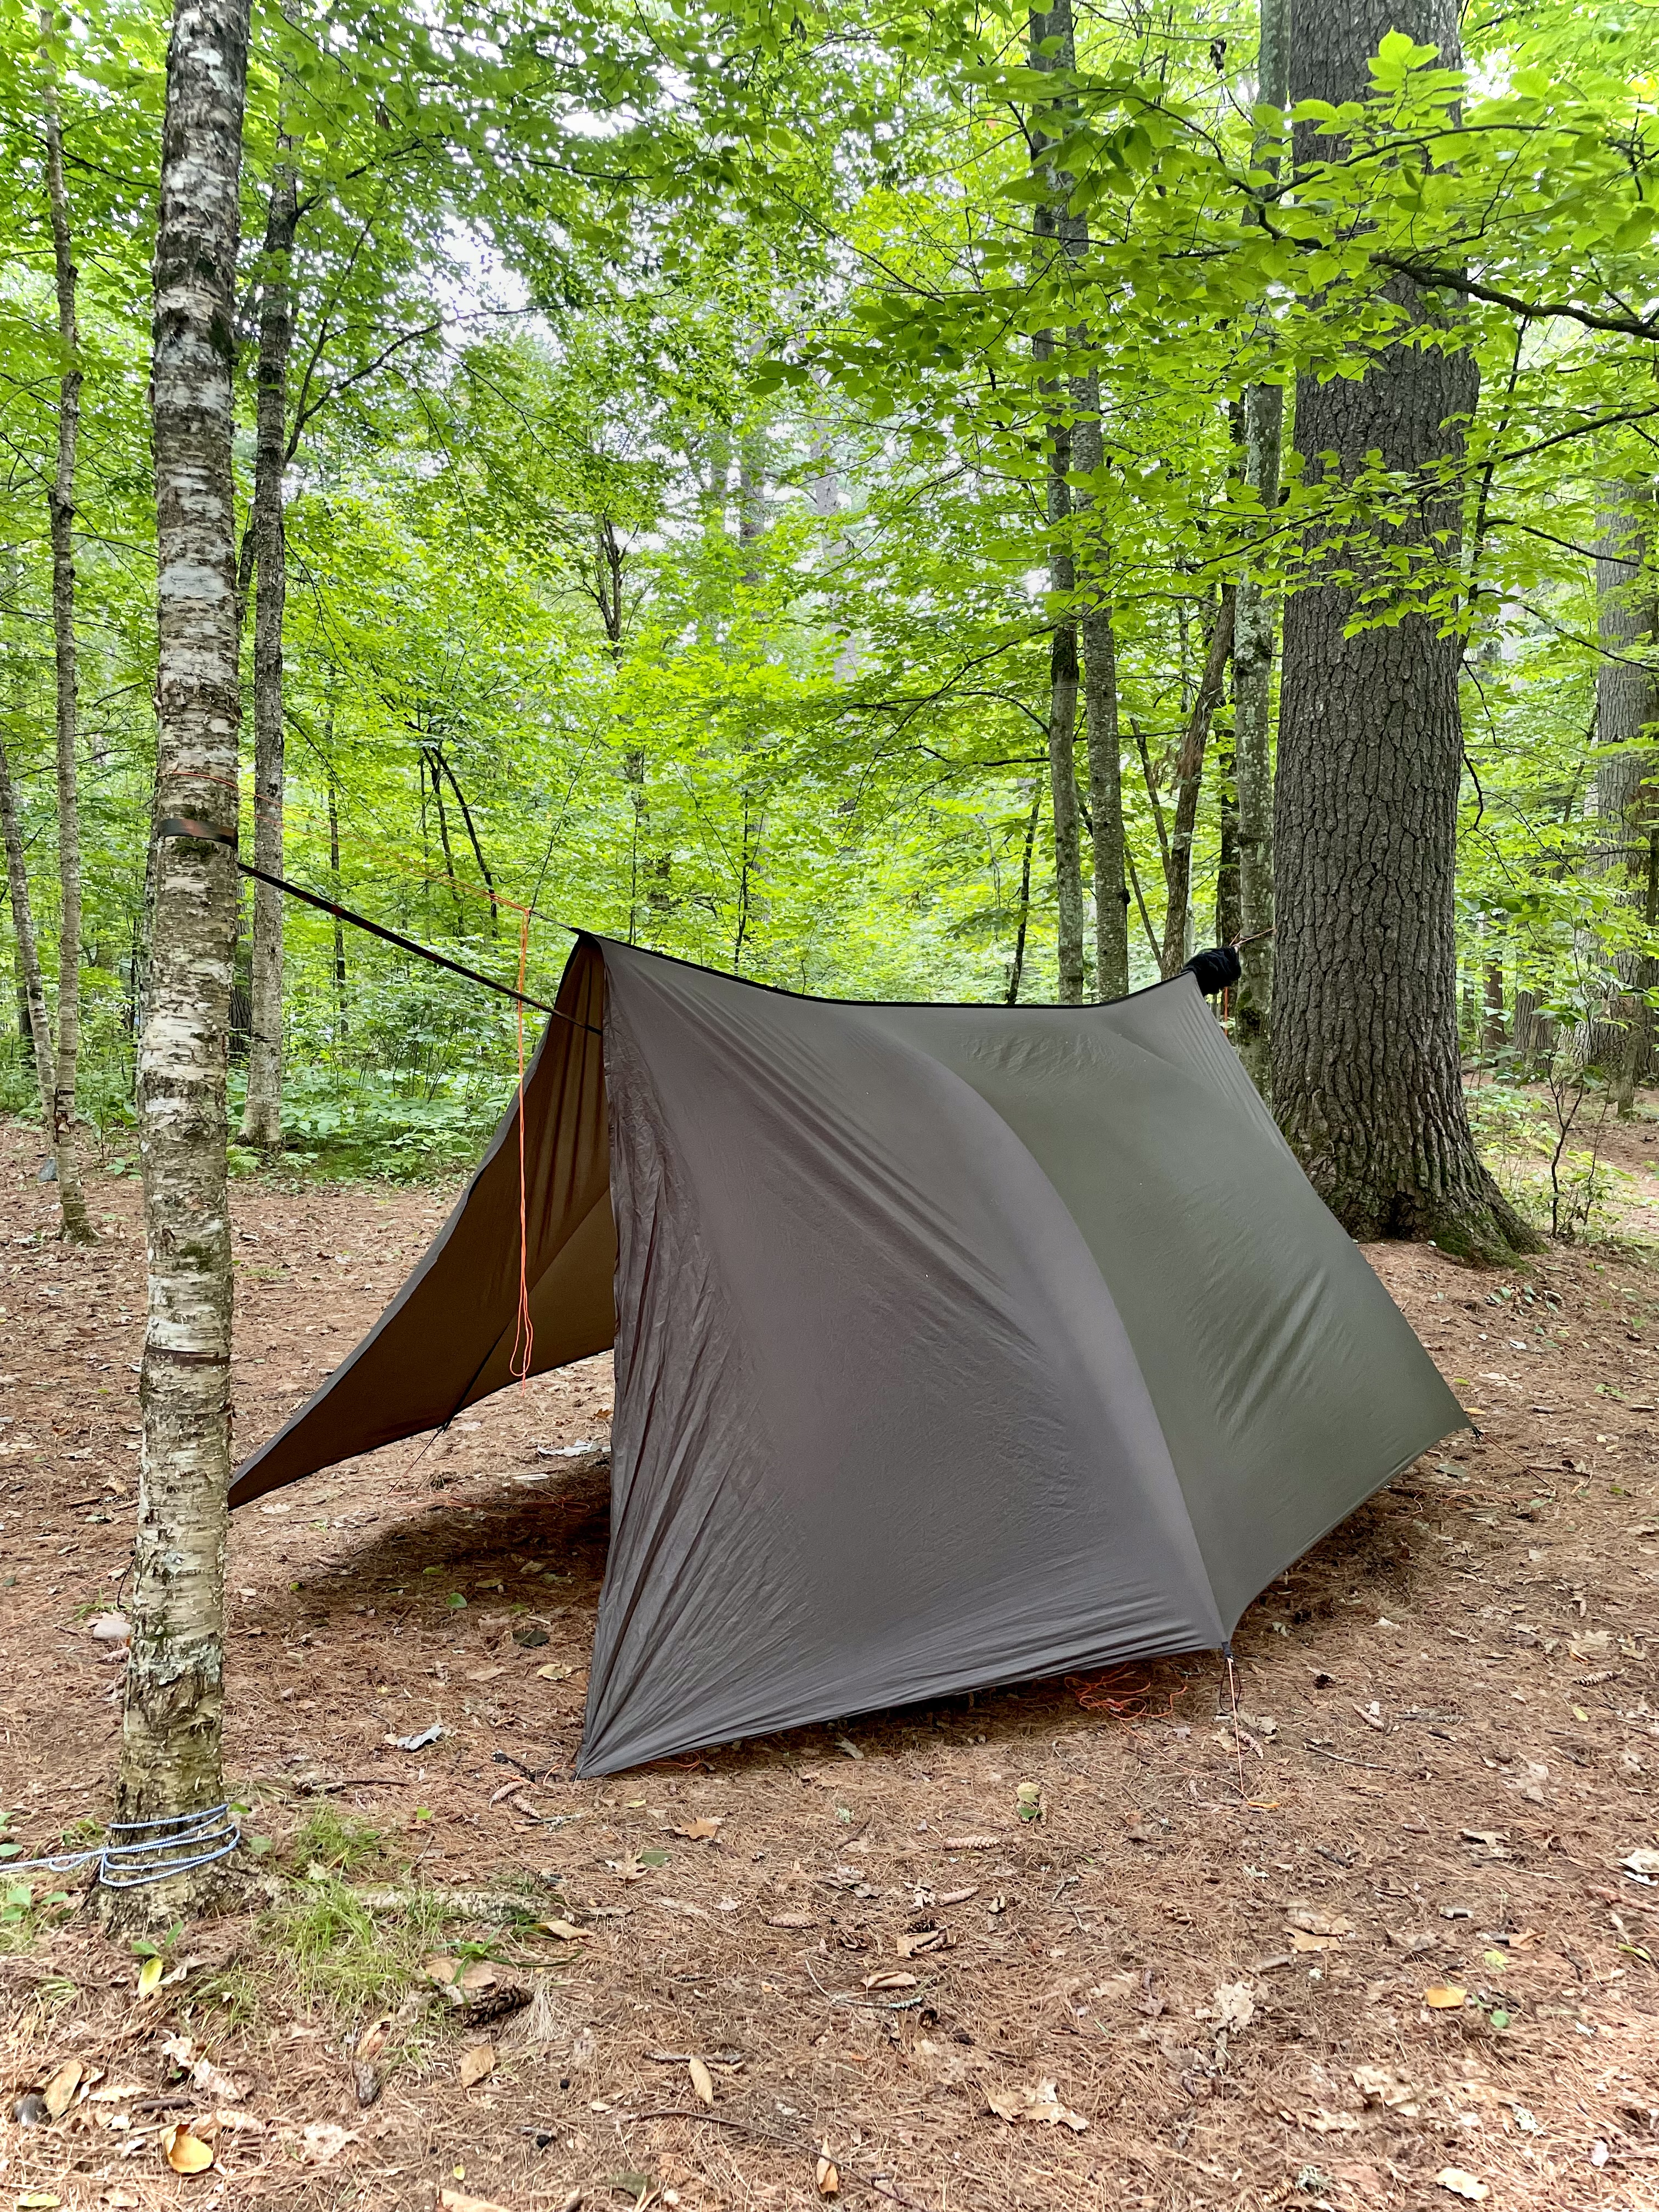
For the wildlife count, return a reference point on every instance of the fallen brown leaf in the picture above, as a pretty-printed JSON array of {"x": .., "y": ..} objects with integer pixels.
[
  {"x": 703, "y": 1830},
  {"x": 1042, "y": 2104},
  {"x": 566, "y": 1930},
  {"x": 323, "y": 2140},
  {"x": 1382, "y": 2085},
  {"x": 1462, "y": 2184},
  {"x": 372, "y": 2042},
  {"x": 1445, "y": 1996},
  {"x": 221, "y": 2088},
  {"x": 59, "y": 2092},
  {"x": 889, "y": 1978},
  {"x": 910, "y": 1947},
  {"x": 457, "y": 2200},
  {"x": 476, "y": 2065},
  {"x": 827, "y": 2174},
  {"x": 702, "y": 2081},
  {"x": 1302, "y": 1939},
  {"x": 441, "y": 1969}
]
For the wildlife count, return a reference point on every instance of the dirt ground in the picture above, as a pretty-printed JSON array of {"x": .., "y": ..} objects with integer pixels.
[{"x": 1410, "y": 1966}]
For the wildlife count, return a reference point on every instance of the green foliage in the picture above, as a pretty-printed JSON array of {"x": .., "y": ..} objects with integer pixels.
[
  {"x": 335, "y": 1842},
  {"x": 667, "y": 534},
  {"x": 345, "y": 1954}
]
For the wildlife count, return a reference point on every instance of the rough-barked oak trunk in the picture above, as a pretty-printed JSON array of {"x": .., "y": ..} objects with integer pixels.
[
  {"x": 60, "y": 503},
  {"x": 1627, "y": 718},
  {"x": 1056, "y": 231},
  {"x": 1253, "y": 651},
  {"x": 171, "y": 1760},
  {"x": 27, "y": 947},
  {"x": 1189, "y": 777},
  {"x": 1367, "y": 1085},
  {"x": 262, "y": 1113}
]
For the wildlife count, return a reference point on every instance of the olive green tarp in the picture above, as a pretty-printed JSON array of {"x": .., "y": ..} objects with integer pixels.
[{"x": 955, "y": 1345}]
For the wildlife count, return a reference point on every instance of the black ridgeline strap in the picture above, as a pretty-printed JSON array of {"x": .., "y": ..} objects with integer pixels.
[
  {"x": 172, "y": 826},
  {"x": 203, "y": 833}
]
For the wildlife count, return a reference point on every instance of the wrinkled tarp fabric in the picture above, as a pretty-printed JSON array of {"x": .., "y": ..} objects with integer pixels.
[{"x": 954, "y": 1345}]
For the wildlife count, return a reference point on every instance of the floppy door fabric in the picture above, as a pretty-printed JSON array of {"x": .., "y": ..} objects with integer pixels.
[
  {"x": 446, "y": 1340},
  {"x": 879, "y": 1432}
]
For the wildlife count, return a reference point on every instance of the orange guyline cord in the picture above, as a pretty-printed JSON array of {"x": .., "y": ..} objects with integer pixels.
[{"x": 522, "y": 1359}]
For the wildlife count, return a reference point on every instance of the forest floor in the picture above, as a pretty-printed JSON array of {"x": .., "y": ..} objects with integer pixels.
[{"x": 1410, "y": 1967}]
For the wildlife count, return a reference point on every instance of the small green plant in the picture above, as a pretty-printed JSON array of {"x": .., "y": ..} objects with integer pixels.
[
  {"x": 335, "y": 1842},
  {"x": 347, "y": 1954}
]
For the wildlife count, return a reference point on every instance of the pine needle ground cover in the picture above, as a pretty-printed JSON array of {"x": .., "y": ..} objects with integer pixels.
[{"x": 1029, "y": 1949}]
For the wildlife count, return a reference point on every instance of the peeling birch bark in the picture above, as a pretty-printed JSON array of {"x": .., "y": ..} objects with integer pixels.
[{"x": 170, "y": 1759}]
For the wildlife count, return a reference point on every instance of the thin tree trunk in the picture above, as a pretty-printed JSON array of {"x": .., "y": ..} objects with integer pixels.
[
  {"x": 751, "y": 504},
  {"x": 1100, "y": 710},
  {"x": 429, "y": 754},
  {"x": 1534, "y": 1037},
  {"x": 1493, "y": 1037},
  {"x": 1053, "y": 225},
  {"x": 1227, "y": 921},
  {"x": 1189, "y": 776},
  {"x": 1627, "y": 707},
  {"x": 39, "y": 1022},
  {"x": 1017, "y": 965},
  {"x": 60, "y": 502},
  {"x": 170, "y": 1761},
  {"x": 1367, "y": 1082},
  {"x": 1253, "y": 653},
  {"x": 340, "y": 1022},
  {"x": 262, "y": 1114},
  {"x": 439, "y": 759},
  {"x": 1149, "y": 777}
]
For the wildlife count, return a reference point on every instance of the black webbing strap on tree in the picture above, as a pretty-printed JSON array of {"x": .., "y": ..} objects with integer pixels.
[{"x": 173, "y": 826}]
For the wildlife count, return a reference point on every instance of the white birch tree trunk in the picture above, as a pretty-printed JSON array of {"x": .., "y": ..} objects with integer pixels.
[{"x": 170, "y": 1759}]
